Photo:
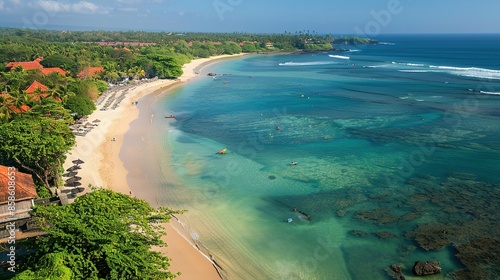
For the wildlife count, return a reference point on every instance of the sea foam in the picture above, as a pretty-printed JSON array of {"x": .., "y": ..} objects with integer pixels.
[
  {"x": 489, "y": 92},
  {"x": 339, "y": 56},
  {"x": 474, "y": 72},
  {"x": 291, "y": 63}
]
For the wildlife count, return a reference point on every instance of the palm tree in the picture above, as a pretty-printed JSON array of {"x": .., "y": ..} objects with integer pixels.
[
  {"x": 20, "y": 98},
  {"x": 5, "y": 108}
]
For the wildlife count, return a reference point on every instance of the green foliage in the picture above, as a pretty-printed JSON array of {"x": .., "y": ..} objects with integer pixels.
[
  {"x": 102, "y": 235},
  {"x": 80, "y": 104},
  {"x": 48, "y": 108},
  {"x": 165, "y": 66},
  {"x": 101, "y": 85},
  {"x": 318, "y": 47},
  {"x": 37, "y": 144},
  {"x": 231, "y": 48},
  {"x": 248, "y": 47},
  {"x": 51, "y": 266},
  {"x": 85, "y": 87},
  {"x": 42, "y": 191},
  {"x": 58, "y": 60}
]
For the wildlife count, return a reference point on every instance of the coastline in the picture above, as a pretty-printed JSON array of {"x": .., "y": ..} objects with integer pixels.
[{"x": 114, "y": 165}]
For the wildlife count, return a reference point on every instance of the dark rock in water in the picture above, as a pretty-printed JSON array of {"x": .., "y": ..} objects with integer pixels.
[
  {"x": 395, "y": 272},
  {"x": 211, "y": 74},
  {"x": 357, "y": 232},
  {"x": 428, "y": 268},
  {"x": 480, "y": 257},
  {"x": 396, "y": 268},
  {"x": 272, "y": 177},
  {"x": 432, "y": 236},
  {"x": 384, "y": 234}
]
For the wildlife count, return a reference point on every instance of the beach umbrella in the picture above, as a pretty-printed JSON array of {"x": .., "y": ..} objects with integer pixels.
[
  {"x": 73, "y": 184},
  {"x": 70, "y": 174},
  {"x": 73, "y": 168},
  {"x": 74, "y": 179},
  {"x": 78, "y": 161}
]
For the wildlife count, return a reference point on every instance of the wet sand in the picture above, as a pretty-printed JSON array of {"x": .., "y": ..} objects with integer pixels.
[{"x": 113, "y": 159}]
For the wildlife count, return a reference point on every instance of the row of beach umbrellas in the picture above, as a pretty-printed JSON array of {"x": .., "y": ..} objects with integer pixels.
[{"x": 72, "y": 180}]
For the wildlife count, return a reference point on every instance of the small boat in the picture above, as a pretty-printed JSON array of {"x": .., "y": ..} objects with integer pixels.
[
  {"x": 223, "y": 151},
  {"x": 278, "y": 127},
  {"x": 170, "y": 117},
  {"x": 289, "y": 220}
]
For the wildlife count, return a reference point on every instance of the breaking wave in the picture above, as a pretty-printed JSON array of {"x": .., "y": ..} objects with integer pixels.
[
  {"x": 414, "y": 71},
  {"x": 474, "y": 72},
  {"x": 291, "y": 63},
  {"x": 489, "y": 92},
  {"x": 339, "y": 56}
]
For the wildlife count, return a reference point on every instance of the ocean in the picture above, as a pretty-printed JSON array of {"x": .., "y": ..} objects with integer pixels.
[{"x": 397, "y": 151}]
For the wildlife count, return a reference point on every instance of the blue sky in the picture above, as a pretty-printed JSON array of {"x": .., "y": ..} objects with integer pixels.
[{"x": 362, "y": 17}]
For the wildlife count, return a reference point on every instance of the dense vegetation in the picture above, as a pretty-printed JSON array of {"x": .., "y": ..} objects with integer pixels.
[{"x": 102, "y": 235}]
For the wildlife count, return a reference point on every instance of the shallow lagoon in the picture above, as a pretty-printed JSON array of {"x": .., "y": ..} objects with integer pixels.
[{"x": 397, "y": 157}]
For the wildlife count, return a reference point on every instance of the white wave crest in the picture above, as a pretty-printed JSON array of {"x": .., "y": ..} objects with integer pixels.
[
  {"x": 339, "y": 56},
  {"x": 408, "y": 64},
  {"x": 386, "y": 43},
  {"x": 291, "y": 63},
  {"x": 414, "y": 71},
  {"x": 474, "y": 72},
  {"x": 489, "y": 92},
  {"x": 353, "y": 50}
]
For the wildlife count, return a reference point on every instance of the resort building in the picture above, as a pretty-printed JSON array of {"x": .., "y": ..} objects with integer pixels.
[
  {"x": 36, "y": 86},
  {"x": 30, "y": 65},
  {"x": 35, "y": 65},
  {"x": 16, "y": 199}
]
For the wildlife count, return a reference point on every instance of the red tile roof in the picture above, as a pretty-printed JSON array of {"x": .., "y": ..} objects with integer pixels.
[
  {"x": 90, "y": 72},
  {"x": 18, "y": 110},
  {"x": 36, "y": 86},
  {"x": 23, "y": 183},
  {"x": 31, "y": 65},
  {"x": 23, "y": 109},
  {"x": 48, "y": 71}
]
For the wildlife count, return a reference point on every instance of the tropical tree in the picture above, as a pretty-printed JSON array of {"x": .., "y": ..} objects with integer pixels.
[
  {"x": 166, "y": 66},
  {"x": 50, "y": 108},
  {"x": 37, "y": 144},
  {"x": 80, "y": 104},
  {"x": 102, "y": 235},
  {"x": 5, "y": 108}
]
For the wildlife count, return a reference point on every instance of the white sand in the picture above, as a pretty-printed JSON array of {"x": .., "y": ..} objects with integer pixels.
[{"x": 103, "y": 166}]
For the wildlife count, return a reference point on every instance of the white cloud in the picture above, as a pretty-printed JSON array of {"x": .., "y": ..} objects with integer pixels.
[
  {"x": 1, "y": 5},
  {"x": 81, "y": 7}
]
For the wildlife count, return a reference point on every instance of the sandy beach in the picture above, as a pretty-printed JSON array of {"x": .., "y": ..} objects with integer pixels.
[{"x": 101, "y": 150}]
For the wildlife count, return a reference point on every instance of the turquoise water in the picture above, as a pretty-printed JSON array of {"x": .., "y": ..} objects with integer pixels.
[{"x": 393, "y": 145}]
